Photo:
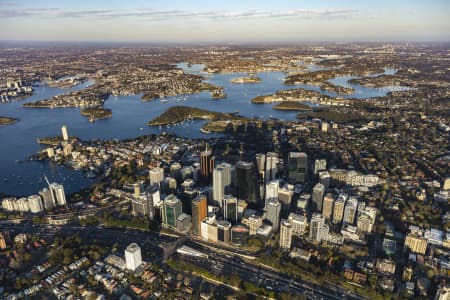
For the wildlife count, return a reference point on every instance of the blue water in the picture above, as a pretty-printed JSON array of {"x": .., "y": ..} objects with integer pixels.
[{"x": 130, "y": 116}]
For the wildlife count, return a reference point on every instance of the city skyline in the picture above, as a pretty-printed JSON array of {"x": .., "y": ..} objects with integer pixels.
[{"x": 235, "y": 22}]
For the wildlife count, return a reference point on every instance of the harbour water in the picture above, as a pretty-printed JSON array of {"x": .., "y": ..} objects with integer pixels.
[{"x": 19, "y": 176}]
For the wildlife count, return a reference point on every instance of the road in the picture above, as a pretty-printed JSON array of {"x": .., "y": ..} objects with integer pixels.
[{"x": 219, "y": 262}]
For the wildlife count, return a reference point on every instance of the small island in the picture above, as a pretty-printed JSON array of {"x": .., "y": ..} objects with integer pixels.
[
  {"x": 177, "y": 114},
  {"x": 292, "y": 105},
  {"x": 218, "y": 93},
  {"x": 149, "y": 96},
  {"x": 250, "y": 79},
  {"x": 7, "y": 121},
  {"x": 96, "y": 113}
]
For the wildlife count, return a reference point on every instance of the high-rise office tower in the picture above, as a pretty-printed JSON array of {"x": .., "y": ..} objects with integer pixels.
[
  {"x": 199, "y": 212},
  {"x": 320, "y": 165},
  {"x": 169, "y": 185},
  {"x": 156, "y": 175},
  {"x": 285, "y": 235},
  {"x": 261, "y": 164},
  {"x": 350, "y": 210},
  {"x": 247, "y": 188},
  {"x": 219, "y": 183},
  {"x": 133, "y": 257},
  {"x": 172, "y": 208},
  {"x": 273, "y": 213},
  {"x": 35, "y": 204},
  {"x": 285, "y": 197},
  {"x": 47, "y": 198},
  {"x": 142, "y": 203},
  {"x": 230, "y": 208},
  {"x": 271, "y": 191},
  {"x": 325, "y": 178},
  {"x": 317, "y": 196},
  {"x": 206, "y": 165},
  {"x": 297, "y": 167},
  {"x": 271, "y": 166},
  {"x": 65, "y": 133},
  {"x": 338, "y": 209},
  {"x": 224, "y": 231},
  {"x": 327, "y": 209},
  {"x": 58, "y": 193}
]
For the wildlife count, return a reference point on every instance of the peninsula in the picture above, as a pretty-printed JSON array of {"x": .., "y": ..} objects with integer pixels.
[{"x": 292, "y": 105}]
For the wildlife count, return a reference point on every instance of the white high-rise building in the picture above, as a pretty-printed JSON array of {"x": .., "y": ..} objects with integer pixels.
[
  {"x": 218, "y": 185},
  {"x": 317, "y": 196},
  {"x": 156, "y": 175},
  {"x": 271, "y": 166},
  {"x": 35, "y": 204},
  {"x": 65, "y": 133},
  {"x": 366, "y": 219},
  {"x": 260, "y": 164},
  {"x": 271, "y": 191},
  {"x": 350, "y": 210},
  {"x": 320, "y": 165},
  {"x": 338, "y": 209},
  {"x": 58, "y": 193},
  {"x": 327, "y": 207},
  {"x": 318, "y": 230},
  {"x": 133, "y": 257},
  {"x": 285, "y": 235},
  {"x": 298, "y": 223},
  {"x": 47, "y": 198},
  {"x": 273, "y": 213}
]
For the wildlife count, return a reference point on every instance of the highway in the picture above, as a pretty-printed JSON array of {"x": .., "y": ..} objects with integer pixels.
[{"x": 219, "y": 262}]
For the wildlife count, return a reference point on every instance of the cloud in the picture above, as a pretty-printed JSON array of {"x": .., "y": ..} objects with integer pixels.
[{"x": 150, "y": 14}]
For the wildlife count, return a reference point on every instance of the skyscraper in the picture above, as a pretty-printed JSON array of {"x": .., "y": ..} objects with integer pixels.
[
  {"x": 319, "y": 165},
  {"x": 58, "y": 193},
  {"x": 285, "y": 197},
  {"x": 230, "y": 208},
  {"x": 318, "y": 229},
  {"x": 271, "y": 166},
  {"x": 199, "y": 212},
  {"x": 172, "y": 208},
  {"x": 271, "y": 191},
  {"x": 327, "y": 209},
  {"x": 297, "y": 167},
  {"x": 350, "y": 210},
  {"x": 221, "y": 178},
  {"x": 35, "y": 204},
  {"x": 156, "y": 175},
  {"x": 317, "y": 196},
  {"x": 65, "y": 133},
  {"x": 261, "y": 164},
  {"x": 142, "y": 203},
  {"x": 206, "y": 165},
  {"x": 338, "y": 209},
  {"x": 298, "y": 223},
  {"x": 133, "y": 257},
  {"x": 47, "y": 198},
  {"x": 224, "y": 231},
  {"x": 247, "y": 188},
  {"x": 273, "y": 213},
  {"x": 285, "y": 235}
]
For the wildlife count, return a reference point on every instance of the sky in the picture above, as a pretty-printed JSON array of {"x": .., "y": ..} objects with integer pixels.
[{"x": 225, "y": 21}]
